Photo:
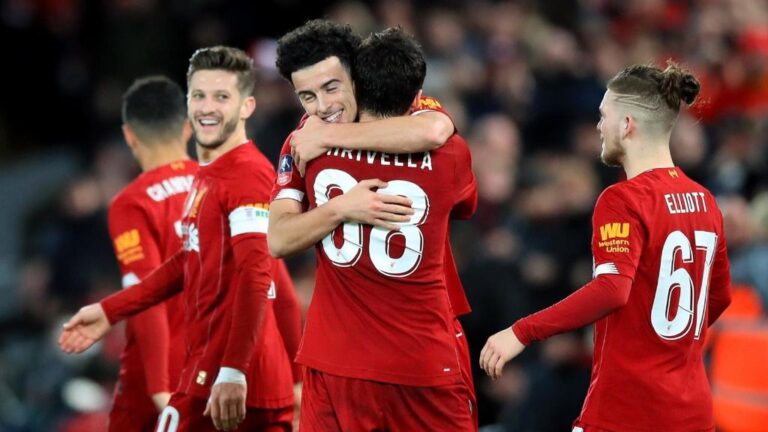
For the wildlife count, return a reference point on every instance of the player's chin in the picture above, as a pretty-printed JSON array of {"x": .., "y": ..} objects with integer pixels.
[{"x": 209, "y": 143}]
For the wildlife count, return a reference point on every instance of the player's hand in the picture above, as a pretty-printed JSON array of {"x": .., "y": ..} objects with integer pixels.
[
  {"x": 86, "y": 327},
  {"x": 161, "y": 400},
  {"x": 498, "y": 350},
  {"x": 226, "y": 406},
  {"x": 307, "y": 143},
  {"x": 363, "y": 204}
]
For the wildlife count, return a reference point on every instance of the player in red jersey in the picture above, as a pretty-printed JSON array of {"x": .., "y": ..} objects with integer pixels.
[
  {"x": 661, "y": 272},
  {"x": 379, "y": 340},
  {"x": 144, "y": 223},
  {"x": 236, "y": 370},
  {"x": 328, "y": 98}
]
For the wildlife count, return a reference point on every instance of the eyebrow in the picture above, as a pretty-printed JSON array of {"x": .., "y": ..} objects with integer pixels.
[{"x": 324, "y": 85}]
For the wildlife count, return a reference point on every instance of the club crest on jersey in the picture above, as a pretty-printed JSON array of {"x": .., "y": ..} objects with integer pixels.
[
  {"x": 191, "y": 238},
  {"x": 285, "y": 170}
]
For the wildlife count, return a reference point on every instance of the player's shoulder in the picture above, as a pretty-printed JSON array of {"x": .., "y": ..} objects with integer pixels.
[
  {"x": 248, "y": 164},
  {"x": 618, "y": 193},
  {"x": 129, "y": 202},
  {"x": 130, "y": 195},
  {"x": 427, "y": 103}
]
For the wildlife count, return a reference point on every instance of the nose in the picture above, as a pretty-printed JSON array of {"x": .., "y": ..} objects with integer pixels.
[
  {"x": 323, "y": 105},
  {"x": 203, "y": 105}
]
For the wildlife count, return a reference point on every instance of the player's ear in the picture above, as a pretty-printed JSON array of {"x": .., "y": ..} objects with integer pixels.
[
  {"x": 248, "y": 107},
  {"x": 186, "y": 132},
  {"x": 627, "y": 126},
  {"x": 130, "y": 137},
  {"x": 416, "y": 100}
]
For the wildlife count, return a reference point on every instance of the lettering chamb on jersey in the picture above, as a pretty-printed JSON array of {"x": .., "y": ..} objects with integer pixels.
[{"x": 170, "y": 187}]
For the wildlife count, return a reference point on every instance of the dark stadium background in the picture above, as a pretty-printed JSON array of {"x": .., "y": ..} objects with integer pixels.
[{"x": 522, "y": 80}]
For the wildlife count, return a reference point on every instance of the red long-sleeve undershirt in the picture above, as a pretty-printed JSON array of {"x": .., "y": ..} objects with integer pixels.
[
  {"x": 254, "y": 265},
  {"x": 593, "y": 301},
  {"x": 162, "y": 284}
]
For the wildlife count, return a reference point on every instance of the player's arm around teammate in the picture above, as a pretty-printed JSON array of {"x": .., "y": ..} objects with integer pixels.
[{"x": 427, "y": 130}]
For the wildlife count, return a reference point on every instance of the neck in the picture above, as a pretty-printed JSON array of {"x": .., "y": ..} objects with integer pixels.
[
  {"x": 368, "y": 117},
  {"x": 159, "y": 154},
  {"x": 644, "y": 156},
  {"x": 208, "y": 155}
]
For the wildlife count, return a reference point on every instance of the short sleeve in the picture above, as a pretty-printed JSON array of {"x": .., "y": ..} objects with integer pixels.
[
  {"x": 133, "y": 239},
  {"x": 430, "y": 104},
  {"x": 618, "y": 235},
  {"x": 247, "y": 199},
  {"x": 289, "y": 184}
]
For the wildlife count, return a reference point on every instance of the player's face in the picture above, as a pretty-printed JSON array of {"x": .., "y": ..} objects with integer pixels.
[
  {"x": 325, "y": 89},
  {"x": 612, "y": 151},
  {"x": 214, "y": 106}
]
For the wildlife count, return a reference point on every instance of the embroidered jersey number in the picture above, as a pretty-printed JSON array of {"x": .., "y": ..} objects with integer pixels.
[
  {"x": 330, "y": 181},
  {"x": 671, "y": 278}
]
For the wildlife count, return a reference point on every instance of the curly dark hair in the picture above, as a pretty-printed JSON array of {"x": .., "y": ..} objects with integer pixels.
[
  {"x": 154, "y": 107},
  {"x": 314, "y": 42},
  {"x": 389, "y": 71}
]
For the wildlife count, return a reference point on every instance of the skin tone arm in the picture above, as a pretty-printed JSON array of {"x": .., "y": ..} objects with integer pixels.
[
  {"x": 401, "y": 134},
  {"x": 291, "y": 230}
]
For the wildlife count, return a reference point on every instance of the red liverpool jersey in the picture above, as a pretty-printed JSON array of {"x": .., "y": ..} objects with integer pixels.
[
  {"x": 145, "y": 226},
  {"x": 459, "y": 303},
  {"x": 229, "y": 201},
  {"x": 380, "y": 309},
  {"x": 665, "y": 232},
  {"x": 229, "y": 321},
  {"x": 458, "y": 298}
]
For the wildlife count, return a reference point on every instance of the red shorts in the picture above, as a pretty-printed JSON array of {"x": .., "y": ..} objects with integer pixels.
[
  {"x": 132, "y": 410},
  {"x": 140, "y": 416},
  {"x": 466, "y": 366},
  {"x": 332, "y": 403},
  {"x": 184, "y": 413}
]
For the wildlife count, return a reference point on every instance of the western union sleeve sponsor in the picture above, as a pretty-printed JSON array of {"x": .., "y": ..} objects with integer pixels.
[{"x": 614, "y": 230}]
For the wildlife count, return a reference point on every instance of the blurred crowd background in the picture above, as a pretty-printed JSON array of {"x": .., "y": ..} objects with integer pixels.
[{"x": 522, "y": 79}]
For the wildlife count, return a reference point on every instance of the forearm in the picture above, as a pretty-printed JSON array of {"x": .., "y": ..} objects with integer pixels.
[
  {"x": 290, "y": 232},
  {"x": 591, "y": 302},
  {"x": 402, "y": 134},
  {"x": 250, "y": 301},
  {"x": 166, "y": 281},
  {"x": 719, "y": 299}
]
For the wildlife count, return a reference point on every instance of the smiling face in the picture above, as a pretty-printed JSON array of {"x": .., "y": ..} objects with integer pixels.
[
  {"x": 215, "y": 107},
  {"x": 325, "y": 89},
  {"x": 609, "y": 126}
]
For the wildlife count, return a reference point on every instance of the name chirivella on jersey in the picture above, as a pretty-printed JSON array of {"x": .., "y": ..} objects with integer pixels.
[{"x": 411, "y": 160}]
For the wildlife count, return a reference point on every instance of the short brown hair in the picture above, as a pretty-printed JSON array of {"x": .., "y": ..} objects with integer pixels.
[
  {"x": 656, "y": 89},
  {"x": 229, "y": 59}
]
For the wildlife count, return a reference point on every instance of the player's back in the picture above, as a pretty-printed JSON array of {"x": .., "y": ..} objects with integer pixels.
[
  {"x": 380, "y": 310},
  {"x": 648, "y": 372},
  {"x": 144, "y": 222}
]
